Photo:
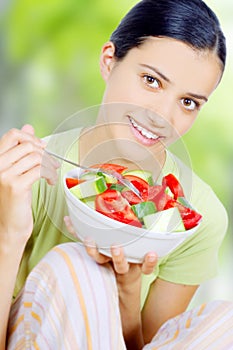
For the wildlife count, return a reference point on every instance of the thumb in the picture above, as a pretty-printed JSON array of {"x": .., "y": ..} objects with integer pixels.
[{"x": 28, "y": 129}]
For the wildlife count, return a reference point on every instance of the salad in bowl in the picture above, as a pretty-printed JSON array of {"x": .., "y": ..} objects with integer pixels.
[{"x": 108, "y": 212}]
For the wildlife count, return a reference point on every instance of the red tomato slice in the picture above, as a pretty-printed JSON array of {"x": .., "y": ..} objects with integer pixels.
[
  {"x": 107, "y": 166},
  {"x": 158, "y": 195},
  {"x": 112, "y": 204},
  {"x": 171, "y": 181},
  {"x": 71, "y": 182},
  {"x": 131, "y": 197},
  {"x": 140, "y": 184},
  {"x": 192, "y": 220},
  {"x": 189, "y": 216}
]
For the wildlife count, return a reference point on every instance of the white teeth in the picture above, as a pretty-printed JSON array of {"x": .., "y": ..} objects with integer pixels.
[{"x": 143, "y": 131}]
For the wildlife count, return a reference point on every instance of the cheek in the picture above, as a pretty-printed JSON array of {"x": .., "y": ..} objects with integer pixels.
[
  {"x": 179, "y": 127},
  {"x": 122, "y": 88},
  {"x": 185, "y": 124},
  {"x": 119, "y": 131}
]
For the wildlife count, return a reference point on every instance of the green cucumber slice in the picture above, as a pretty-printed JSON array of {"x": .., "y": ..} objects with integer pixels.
[
  {"x": 92, "y": 175},
  {"x": 89, "y": 175},
  {"x": 143, "y": 209},
  {"x": 89, "y": 188},
  {"x": 143, "y": 174},
  {"x": 184, "y": 202},
  {"x": 108, "y": 178},
  {"x": 117, "y": 187},
  {"x": 90, "y": 201},
  {"x": 168, "y": 220}
]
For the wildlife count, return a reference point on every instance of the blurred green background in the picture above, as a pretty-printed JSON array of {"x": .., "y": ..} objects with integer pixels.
[{"x": 49, "y": 53}]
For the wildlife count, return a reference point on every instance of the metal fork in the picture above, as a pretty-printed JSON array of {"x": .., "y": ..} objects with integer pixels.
[{"x": 112, "y": 173}]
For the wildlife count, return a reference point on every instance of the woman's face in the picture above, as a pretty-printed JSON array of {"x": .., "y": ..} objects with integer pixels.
[{"x": 157, "y": 90}]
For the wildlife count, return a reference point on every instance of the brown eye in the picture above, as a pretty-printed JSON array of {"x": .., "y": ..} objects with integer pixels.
[
  {"x": 150, "y": 81},
  {"x": 189, "y": 104}
]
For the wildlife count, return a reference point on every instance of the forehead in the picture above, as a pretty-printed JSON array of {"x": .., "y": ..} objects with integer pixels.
[{"x": 179, "y": 62}]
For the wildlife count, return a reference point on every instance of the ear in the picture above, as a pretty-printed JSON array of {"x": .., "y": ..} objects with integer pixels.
[{"x": 107, "y": 59}]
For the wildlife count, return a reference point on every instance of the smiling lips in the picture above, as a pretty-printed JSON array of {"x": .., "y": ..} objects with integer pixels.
[{"x": 143, "y": 135}]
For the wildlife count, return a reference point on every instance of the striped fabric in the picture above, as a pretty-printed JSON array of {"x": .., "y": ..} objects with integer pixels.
[
  {"x": 70, "y": 303},
  {"x": 209, "y": 327}
]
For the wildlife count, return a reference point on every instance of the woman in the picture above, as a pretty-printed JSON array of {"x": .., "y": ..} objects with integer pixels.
[{"x": 160, "y": 67}]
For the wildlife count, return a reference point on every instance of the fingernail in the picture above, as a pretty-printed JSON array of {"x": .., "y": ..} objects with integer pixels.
[
  {"x": 151, "y": 257},
  {"x": 89, "y": 242},
  {"x": 116, "y": 251},
  {"x": 57, "y": 164},
  {"x": 42, "y": 142}
]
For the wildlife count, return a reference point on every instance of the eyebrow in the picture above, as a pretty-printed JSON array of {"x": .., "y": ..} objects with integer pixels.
[
  {"x": 156, "y": 71},
  {"x": 199, "y": 97}
]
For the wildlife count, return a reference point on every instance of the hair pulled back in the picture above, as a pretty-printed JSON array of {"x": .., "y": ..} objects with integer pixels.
[{"x": 190, "y": 21}]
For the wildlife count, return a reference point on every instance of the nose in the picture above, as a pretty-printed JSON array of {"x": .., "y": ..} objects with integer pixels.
[
  {"x": 162, "y": 112},
  {"x": 156, "y": 119}
]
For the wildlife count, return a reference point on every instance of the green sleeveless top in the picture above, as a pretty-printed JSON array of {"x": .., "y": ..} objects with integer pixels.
[{"x": 193, "y": 262}]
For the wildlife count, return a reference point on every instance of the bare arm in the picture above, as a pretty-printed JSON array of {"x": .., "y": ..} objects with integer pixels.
[
  {"x": 9, "y": 263},
  {"x": 21, "y": 155},
  {"x": 165, "y": 300}
]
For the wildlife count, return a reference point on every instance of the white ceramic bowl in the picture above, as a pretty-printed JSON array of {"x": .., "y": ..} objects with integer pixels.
[{"x": 105, "y": 231}]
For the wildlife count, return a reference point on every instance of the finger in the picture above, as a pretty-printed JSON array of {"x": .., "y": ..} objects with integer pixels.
[
  {"x": 31, "y": 155},
  {"x": 28, "y": 129},
  {"x": 13, "y": 137},
  {"x": 49, "y": 165},
  {"x": 120, "y": 263},
  {"x": 50, "y": 162},
  {"x": 149, "y": 263},
  {"x": 10, "y": 168},
  {"x": 30, "y": 177},
  {"x": 21, "y": 183},
  {"x": 69, "y": 225},
  {"x": 14, "y": 174},
  {"x": 49, "y": 168},
  {"x": 51, "y": 177},
  {"x": 17, "y": 153},
  {"x": 93, "y": 252},
  {"x": 32, "y": 160}
]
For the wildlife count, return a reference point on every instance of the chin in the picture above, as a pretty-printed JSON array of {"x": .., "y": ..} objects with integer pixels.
[{"x": 134, "y": 152}]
